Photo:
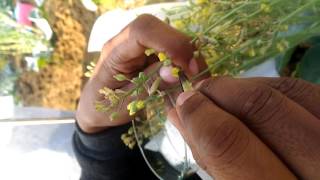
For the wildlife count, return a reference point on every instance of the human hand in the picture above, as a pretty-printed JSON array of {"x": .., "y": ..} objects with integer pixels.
[
  {"x": 254, "y": 128},
  {"x": 125, "y": 54}
]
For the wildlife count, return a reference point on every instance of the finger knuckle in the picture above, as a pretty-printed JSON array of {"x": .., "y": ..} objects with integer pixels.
[
  {"x": 189, "y": 109},
  {"x": 256, "y": 99},
  {"x": 293, "y": 87},
  {"x": 143, "y": 23},
  {"x": 226, "y": 142},
  {"x": 208, "y": 84},
  {"x": 108, "y": 44}
]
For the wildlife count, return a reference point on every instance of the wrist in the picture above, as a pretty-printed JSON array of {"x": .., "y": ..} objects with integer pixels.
[{"x": 88, "y": 127}]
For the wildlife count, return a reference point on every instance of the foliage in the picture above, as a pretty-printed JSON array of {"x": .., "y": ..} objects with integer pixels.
[
  {"x": 302, "y": 61},
  {"x": 309, "y": 68},
  {"x": 7, "y": 78},
  {"x": 16, "y": 39},
  {"x": 6, "y": 5},
  {"x": 235, "y": 35},
  {"x": 106, "y": 5}
]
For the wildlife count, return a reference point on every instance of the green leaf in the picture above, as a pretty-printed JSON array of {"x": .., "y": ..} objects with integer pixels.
[
  {"x": 114, "y": 116},
  {"x": 283, "y": 60},
  {"x": 42, "y": 62},
  {"x": 309, "y": 68},
  {"x": 314, "y": 40},
  {"x": 142, "y": 77}
]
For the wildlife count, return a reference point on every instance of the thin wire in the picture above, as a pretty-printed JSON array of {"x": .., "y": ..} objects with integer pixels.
[
  {"x": 142, "y": 152},
  {"x": 182, "y": 79}
]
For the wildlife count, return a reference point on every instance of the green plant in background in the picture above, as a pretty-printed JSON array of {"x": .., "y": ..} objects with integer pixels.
[
  {"x": 231, "y": 36},
  {"x": 109, "y": 3},
  {"x": 127, "y": 4},
  {"x": 6, "y": 5},
  {"x": 302, "y": 61},
  {"x": 16, "y": 39},
  {"x": 7, "y": 78}
]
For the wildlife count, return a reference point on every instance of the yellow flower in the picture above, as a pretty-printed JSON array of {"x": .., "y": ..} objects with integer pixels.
[
  {"x": 130, "y": 105},
  {"x": 209, "y": 61},
  {"x": 251, "y": 52},
  {"x": 280, "y": 47},
  {"x": 131, "y": 108},
  {"x": 162, "y": 56},
  {"x": 201, "y": 1},
  {"x": 265, "y": 8},
  {"x": 178, "y": 24},
  {"x": 149, "y": 52},
  {"x": 140, "y": 105},
  {"x": 135, "y": 106},
  {"x": 284, "y": 28},
  {"x": 175, "y": 72},
  {"x": 205, "y": 12}
]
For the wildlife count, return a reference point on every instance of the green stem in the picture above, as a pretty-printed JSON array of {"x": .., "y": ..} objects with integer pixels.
[
  {"x": 219, "y": 21},
  {"x": 296, "y": 12}
]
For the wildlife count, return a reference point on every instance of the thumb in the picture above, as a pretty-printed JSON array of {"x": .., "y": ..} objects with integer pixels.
[{"x": 221, "y": 144}]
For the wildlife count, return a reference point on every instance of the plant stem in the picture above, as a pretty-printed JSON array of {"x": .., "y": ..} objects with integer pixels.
[
  {"x": 219, "y": 21},
  {"x": 296, "y": 12}
]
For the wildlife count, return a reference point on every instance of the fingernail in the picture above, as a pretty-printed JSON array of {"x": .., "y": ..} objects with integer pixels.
[
  {"x": 184, "y": 97},
  {"x": 166, "y": 75},
  {"x": 193, "y": 66}
]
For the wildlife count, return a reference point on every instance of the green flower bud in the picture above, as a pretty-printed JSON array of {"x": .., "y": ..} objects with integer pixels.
[
  {"x": 113, "y": 116},
  {"x": 149, "y": 52},
  {"x": 120, "y": 77}
]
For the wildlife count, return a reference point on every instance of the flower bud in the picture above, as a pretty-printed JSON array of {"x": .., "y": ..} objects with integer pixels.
[{"x": 120, "y": 77}]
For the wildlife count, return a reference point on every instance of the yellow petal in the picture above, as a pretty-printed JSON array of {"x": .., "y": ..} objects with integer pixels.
[
  {"x": 140, "y": 105},
  {"x": 175, "y": 72},
  {"x": 162, "y": 56}
]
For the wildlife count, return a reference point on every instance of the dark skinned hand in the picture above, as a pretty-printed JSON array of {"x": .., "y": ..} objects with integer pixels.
[
  {"x": 125, "y": 54},
  {"x": 254, "y": 128}
]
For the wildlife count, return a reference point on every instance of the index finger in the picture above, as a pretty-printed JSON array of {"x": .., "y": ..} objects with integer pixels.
[
  {"x": 286, "y": 127},
  {"x": 302, "y": 92},
  {"x": 222, "y": 144}
]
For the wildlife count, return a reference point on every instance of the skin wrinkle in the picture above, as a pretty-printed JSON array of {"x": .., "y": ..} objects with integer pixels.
[
  {"x": 188, "y": 108},
  {"x": 275, "y": 108},
  {"x": 221, "y": 137},
  {"x": 293, "y": 88},
  {"x": 239, "y": 138},
  {"x": 236, "y": 140},
  {"x": 240, "y": 151},
  {"x": 306, "y": 97},
  {"x": 233, "y": 140},
  {"x": 254, "y": 102},
  {"x": 273, "y": 111},
  {"x": 286, "y": 85}
]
